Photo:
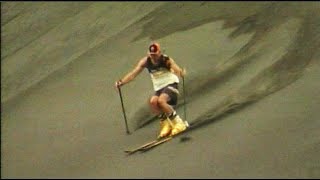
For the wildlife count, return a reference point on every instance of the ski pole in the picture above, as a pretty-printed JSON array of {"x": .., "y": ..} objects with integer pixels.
[{"x": 123, "y": 111}]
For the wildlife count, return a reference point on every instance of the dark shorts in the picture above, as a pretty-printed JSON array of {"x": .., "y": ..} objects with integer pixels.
[{"x": 172, "y": 91}]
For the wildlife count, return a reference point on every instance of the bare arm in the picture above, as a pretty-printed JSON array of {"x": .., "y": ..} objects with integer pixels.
[
  {"x": 175, "y": 68},
  {"x": 131, "y": 75}
]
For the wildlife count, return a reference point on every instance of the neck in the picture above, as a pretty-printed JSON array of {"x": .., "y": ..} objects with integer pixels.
[{"x": 155, "y": 61}]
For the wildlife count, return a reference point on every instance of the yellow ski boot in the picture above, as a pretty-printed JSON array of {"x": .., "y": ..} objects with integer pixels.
[
  {"x": 178, "y": 125},
  {"x": 165, "y": 128}
]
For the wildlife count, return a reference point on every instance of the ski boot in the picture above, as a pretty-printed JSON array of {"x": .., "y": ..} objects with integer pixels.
[
  {"x": 178, "y": 125},
  {"x": 165, "y": 126}
]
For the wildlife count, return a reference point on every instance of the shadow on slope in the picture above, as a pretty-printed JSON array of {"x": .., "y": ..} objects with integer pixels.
[
  {"x": 261, "y": 21},
  {"x": 281, "y": 74}
]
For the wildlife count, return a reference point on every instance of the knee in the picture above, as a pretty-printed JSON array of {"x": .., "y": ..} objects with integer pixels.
[
  {"x": 162, "y": 101},
  {"x": 154, "y": 101}
]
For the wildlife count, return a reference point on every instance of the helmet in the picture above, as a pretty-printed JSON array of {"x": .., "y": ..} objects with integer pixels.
[{"x": 154, "y": 48}]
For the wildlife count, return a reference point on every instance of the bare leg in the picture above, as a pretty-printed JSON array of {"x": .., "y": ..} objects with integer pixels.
[
  {"x": 176, "y": 123},
  {"x": 165, "y": 126},
  {"x": 154, "y": 105},
  {"x": 163, "y": 104}
]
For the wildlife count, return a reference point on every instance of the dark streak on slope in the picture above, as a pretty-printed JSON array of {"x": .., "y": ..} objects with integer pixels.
[
  {"x": 284, "y": 72},
  {"x": 279, "y": 75}
]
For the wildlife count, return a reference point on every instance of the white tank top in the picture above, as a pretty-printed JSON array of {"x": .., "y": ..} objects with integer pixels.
[
  {"x": 162, "y": 78},
  {"x": 161, "y": 75}
]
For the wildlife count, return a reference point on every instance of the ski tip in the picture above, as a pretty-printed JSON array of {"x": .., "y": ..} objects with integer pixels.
[{"x": 128, "y": 152}]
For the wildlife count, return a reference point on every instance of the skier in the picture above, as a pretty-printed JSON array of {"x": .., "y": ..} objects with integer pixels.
[{"x": 165, "y": 75}]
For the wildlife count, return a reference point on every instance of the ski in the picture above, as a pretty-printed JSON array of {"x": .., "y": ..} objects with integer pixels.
[
  {"x": 146, "y": 148},
  {"x": 141, "y": 147},
  {"x": 154, "y": 143},
  {"x": 149, "y": 145}
]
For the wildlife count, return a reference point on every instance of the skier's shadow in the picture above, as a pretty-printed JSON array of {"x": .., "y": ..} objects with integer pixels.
[{"x": 225, "y": 108}]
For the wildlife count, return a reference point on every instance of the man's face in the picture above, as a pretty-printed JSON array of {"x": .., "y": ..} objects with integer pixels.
[{"x": 155, "y": 56}]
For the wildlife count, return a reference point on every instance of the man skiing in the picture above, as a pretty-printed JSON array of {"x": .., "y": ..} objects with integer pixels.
[{"x": 165, "y": 75}]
